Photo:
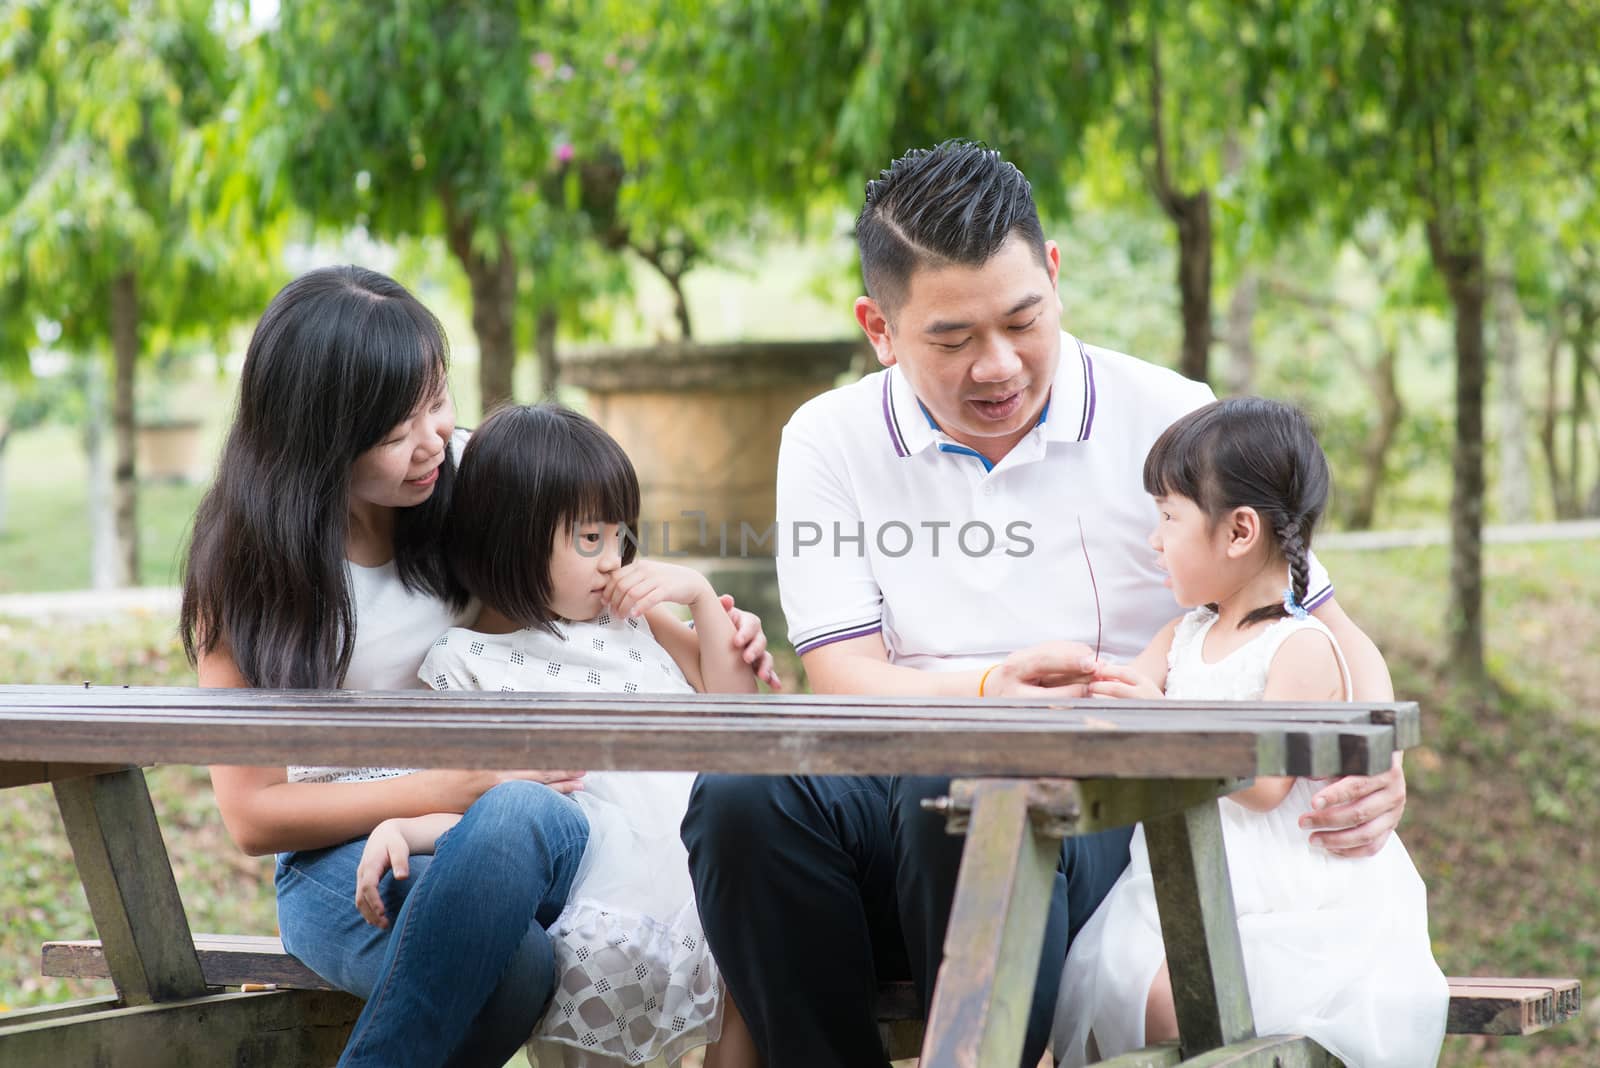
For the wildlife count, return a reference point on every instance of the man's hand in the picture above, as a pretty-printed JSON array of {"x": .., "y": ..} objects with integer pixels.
[
  {"x": 1354, "y": 816},
  {"x": 1049, "y": 669}
]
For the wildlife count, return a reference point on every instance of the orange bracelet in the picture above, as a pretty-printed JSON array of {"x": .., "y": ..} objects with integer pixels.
[{"x": 985, "y": 678}]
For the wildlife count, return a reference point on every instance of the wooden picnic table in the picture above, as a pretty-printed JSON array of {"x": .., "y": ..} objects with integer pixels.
[{"x": 1028, "y": 773}]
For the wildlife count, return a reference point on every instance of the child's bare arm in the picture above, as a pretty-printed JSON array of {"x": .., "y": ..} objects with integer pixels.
[
  {"x": 390, "y": 846},
  {"x": 1305, "y": 668}
]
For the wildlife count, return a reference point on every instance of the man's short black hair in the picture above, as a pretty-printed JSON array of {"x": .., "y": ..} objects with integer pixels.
[
  {"x": 955, "y": 203},
  {"x": 528, "y": 475}
]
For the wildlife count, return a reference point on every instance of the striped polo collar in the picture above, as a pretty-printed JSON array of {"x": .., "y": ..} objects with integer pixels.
[{"x": 1068, "y": 413}]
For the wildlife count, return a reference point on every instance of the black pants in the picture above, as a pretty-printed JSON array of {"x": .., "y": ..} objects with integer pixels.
[{"x": 814, "y": 890}]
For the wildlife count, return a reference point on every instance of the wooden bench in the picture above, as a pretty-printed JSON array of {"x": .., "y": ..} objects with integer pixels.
[
  {"x": 1478, "y": 1006},
  {"x": 1029, "y": 773}
]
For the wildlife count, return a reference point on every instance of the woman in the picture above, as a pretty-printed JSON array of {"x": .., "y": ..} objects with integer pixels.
[{"x": 316, "y": 561}]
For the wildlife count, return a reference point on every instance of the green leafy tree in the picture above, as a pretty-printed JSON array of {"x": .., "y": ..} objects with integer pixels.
[
  {"x": 1439, "y": 114},
  {"x": 104, "y": 108},
  {"x": 417, "y": 119},
  {"x": 795, "y": 105}
]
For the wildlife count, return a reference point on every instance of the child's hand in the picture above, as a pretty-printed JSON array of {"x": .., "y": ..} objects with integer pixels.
[
  {"x": 1122, "y": 681},
  {"x": 643, "y": 584},
  {"x": 386, "y": 849}
]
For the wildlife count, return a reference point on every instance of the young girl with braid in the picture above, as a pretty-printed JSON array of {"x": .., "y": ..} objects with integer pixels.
[{"x": 1335, "y": 949}]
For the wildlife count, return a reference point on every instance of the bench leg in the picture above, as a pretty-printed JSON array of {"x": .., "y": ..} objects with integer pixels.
[
  {"x": 991, "y": 951},
  {"x": 127, "y": 877},
  {"x": 1199, "y": 928}
]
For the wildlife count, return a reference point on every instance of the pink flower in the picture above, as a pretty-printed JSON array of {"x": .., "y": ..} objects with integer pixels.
[
  {"x": 544, "y": 61},
  {"x": 564, "y": 152}
]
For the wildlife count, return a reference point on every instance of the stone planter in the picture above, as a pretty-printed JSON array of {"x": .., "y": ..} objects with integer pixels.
[
  {"x": 702, "y": 425},
  {"x": 169, "y": 451}
]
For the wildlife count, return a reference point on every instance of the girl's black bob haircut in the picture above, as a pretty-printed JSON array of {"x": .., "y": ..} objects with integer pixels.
[
  {"x": 1248, "y": 452},
  {"x": 527, "y": 476}
]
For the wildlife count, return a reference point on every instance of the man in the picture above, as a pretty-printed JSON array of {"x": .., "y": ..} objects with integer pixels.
[{"x": 970, "y": 521}]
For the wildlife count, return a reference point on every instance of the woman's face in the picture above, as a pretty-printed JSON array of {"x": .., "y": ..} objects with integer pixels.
[{"x": 402, "y": 469}]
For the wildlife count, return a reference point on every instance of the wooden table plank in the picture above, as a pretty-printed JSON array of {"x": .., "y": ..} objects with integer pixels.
[
  {"x": 1079, "y": 746},
  {"x": 1402, "y": 714},
  {"x": 25, "y": 774}
]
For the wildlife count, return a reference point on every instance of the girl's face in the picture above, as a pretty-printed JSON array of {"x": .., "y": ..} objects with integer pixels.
[
  {"x": 402, "y": 469},
  {"x": 582, "y": 561},
  {"x": 1192, "y": 551}
]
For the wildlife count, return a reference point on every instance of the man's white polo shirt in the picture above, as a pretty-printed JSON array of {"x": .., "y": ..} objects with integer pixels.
[{"x": 886, "y": 524}]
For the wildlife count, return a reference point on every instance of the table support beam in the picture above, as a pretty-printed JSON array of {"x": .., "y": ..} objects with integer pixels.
[
  {"x": 1195, "y": 901},
  {"x": 127, "y": 877},
  {"x": 991, "y": 951}
]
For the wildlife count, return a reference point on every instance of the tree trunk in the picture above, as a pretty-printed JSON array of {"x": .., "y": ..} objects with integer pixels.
[
  {"x": 1463, "y": 273},
  {"x": 5, "y": 439},
  {"x": 1375, "y": 454},
  {"x": 544, "y": 343},
  {"x": 1516, "y": 466},
  {"x": 125, "y": 493},
  {"x": 493, "y": 282},
  {"x": 1582, "y": 342},
  {"x": 1192, "y": 216},
  {"x": 1242, "y": 304},
  {"x": 102, "y": 519},
  {"x": 1547, "y": 426}
]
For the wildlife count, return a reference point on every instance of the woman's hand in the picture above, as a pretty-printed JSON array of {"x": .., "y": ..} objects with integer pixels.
[
  {"x": 751, "y": 643},
  {"x": 455, "y": 790},
  {"x": 1124, "y": 682}
]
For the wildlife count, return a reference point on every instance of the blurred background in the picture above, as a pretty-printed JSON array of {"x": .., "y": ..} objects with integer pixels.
[{"x": 1383, "y": 210}]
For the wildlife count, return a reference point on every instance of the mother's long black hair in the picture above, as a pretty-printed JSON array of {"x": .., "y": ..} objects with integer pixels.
[{"x": 341, "y": 356}]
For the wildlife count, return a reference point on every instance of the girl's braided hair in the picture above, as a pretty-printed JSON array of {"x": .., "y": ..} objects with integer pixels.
[{"x": 1248, "y": 452}]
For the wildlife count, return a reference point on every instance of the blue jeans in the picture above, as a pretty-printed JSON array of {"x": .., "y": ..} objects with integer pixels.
[
  {"x": 464, "y": 971},
  {"x": 815, "y": 889}
]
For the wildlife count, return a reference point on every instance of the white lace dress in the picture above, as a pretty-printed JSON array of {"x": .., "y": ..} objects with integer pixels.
[
  {"x": 1334, "y": 948},
  {"x": 634, "y": 978}
]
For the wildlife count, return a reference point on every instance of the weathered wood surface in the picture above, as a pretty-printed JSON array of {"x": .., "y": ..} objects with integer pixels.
[
  {"x": 1194, "y": 899},
  {"x": 225, "y": 960},
  {"x": 1403, "y": 715},
  {"x": 255, "y": 1030},
  {"x": 422, "y": 729},
  {"x": 1273, "y": 1051},
  {"x": 984, "y": 990},
  {"x": 1499, "y": 1006},
  {"x": 21, "y": 774},
  {"x": 127, "y": 877}
]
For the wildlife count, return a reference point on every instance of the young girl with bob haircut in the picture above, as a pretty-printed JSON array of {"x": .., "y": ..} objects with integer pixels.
[
  {"x": 317, "y": 561},
  {"x": 541, "y": 533},
  {"x": 1334, "y": 948}
]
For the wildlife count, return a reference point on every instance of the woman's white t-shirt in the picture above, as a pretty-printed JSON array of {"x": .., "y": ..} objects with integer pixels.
[{"x": 395, "y": 628}]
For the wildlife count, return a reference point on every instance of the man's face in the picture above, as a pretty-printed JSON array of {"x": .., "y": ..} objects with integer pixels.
[{"x": 979, "y": 345}]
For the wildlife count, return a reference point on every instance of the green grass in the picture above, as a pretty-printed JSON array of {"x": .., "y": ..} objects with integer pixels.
[{"x": 1502, "y": 793}]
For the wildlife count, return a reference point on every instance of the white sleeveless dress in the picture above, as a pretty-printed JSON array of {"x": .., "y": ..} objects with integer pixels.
[
  {"x": 635, "y": 980},
  {"x": 1334, "y": 948}
]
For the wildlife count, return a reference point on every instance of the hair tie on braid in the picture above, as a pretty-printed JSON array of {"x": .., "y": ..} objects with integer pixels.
[{"x": 1292, "y": 605}]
